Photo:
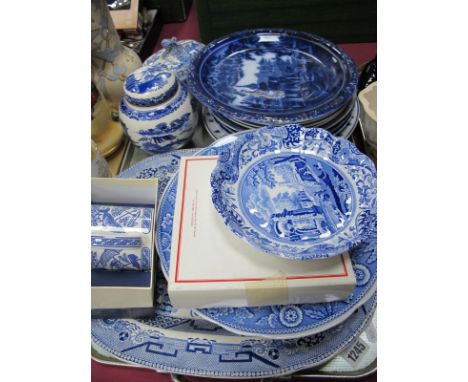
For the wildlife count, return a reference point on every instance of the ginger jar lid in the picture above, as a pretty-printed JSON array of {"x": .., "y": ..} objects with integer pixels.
[{"x": 150, "y": 85}]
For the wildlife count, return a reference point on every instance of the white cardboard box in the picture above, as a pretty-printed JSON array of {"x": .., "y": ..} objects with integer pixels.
[
  {"x": 211, "y": 267},
  {"x": 127, "y": 289}
]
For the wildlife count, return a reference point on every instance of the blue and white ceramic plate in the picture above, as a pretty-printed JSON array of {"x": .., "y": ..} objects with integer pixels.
[
  {"x": 291, "y": 321},
  {"x": 338, "y": 366},
  {"x": 161, "y": 166},
  {"x": 346, "y": 129},
  {"x": 273, "y": 76},
  {"x": 214, "y": 129},
  {"x": 217, "y": 131},
  {"x": 295, "y": 192},
  {"x": 180, "y": 346},
  {"x": 325, "y": 122},
  {"x": 229, "y": 125},
  {"x": 274, "y": 321}
]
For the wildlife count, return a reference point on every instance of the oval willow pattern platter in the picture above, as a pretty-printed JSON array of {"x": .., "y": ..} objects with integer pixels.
[
  {"x": 295, "y": 192},
  {"x": 269, "y": 321},
  {"x": 161, "y": 166},
  {"x": 338, "y": 366},
  {"x": 214, "y": 354},
  {"x": 273, "y": 76}
]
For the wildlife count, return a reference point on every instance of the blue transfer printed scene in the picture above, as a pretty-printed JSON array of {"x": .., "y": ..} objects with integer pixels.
[
  {"x": 112, "y": 252},
  {"x": 119, "y": 259},
  {"x": 296, "y": 198},
  {"x": 282, "y": 74},
  {"x": 121, "y": 218},
  {"x": 146, "y": 79}
]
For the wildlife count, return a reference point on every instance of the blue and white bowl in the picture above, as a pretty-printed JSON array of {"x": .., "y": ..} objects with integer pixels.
[
  {"x": 296, "y": 193},
  {"x": 156, "y": 113}
]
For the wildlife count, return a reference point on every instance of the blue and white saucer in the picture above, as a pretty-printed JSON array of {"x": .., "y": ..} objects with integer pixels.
[
  {"x": 295, "y": 192},
  {"x": 194, "y": 347}
]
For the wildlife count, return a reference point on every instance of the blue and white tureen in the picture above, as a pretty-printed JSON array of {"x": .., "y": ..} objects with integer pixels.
[
  {"x": 176, "y": 55},
  {"x": 295, "y": 192},
  {"x": 156, "y": 113}
]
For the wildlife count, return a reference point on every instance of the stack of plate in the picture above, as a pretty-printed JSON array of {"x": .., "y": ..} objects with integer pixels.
[
  {"x": 249, "y": 342},
  {"x": 265, "y": 77}
]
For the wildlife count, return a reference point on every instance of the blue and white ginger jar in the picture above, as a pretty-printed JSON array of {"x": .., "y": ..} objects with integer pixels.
[{"x": 156, "y": 113}]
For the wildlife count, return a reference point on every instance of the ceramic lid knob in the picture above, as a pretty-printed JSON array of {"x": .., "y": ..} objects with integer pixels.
[
  {"x": 170, "y": 43},
  {"x": 150, "y": 85}
]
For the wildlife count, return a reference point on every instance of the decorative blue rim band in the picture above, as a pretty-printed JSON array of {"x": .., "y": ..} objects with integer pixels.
[
  {"x": 205, "y": 354},
  {"x": 123, "y": 242},
  {"x": 153, "y": 114},
  {"x": 147, "y": 102}
]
